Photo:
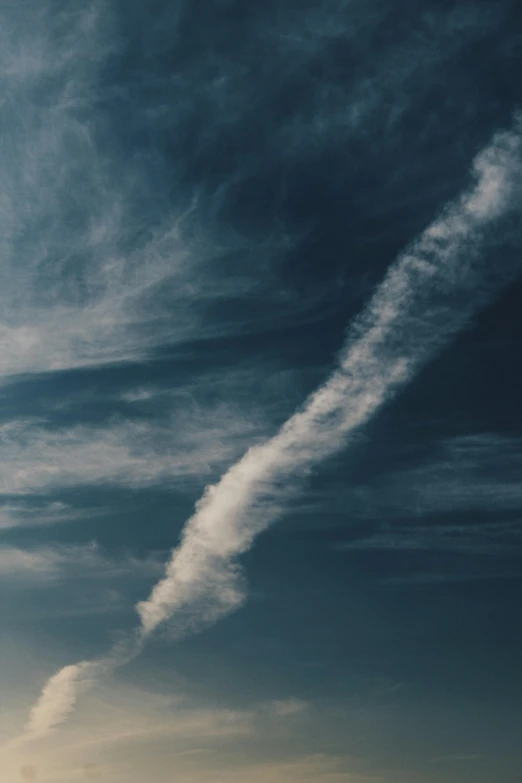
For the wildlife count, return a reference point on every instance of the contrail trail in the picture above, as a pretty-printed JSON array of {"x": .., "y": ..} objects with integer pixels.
[
  {"x": 428, "y": 296},
  {"x": 405, "y": 323}
]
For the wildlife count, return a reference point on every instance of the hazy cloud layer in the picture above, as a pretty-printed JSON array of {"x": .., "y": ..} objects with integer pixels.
[{"x": 124, "y": 731}]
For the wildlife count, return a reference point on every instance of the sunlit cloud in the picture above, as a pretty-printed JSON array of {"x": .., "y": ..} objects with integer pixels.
[{"x": 58, "y": 698}]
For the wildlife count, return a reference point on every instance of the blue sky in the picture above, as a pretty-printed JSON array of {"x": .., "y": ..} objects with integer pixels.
[{"x": 260, "y": 436}]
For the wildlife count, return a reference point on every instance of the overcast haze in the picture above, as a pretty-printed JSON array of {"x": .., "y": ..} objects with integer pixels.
[{"x": 260, "y": 382}]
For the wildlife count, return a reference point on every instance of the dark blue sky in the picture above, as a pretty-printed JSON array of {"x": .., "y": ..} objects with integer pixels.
[{"x": 209, "y": 211}]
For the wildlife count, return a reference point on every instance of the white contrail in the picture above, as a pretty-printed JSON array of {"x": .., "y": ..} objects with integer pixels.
[
  {"x": 57, "y": 699},
  {"x": 427, "y": 296}
]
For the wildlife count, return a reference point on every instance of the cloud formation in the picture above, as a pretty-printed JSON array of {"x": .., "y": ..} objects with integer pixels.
[
  {"x": 466, "y": 474},
  {"x": 58, "y": 698},
  {"x": 129, "y": 732},
  {"x": 193, "y": 441},
  {"x": 19, "y": 515},
  {"x": 110, "y": 271},
  {"x": 427, "y": 296},
  {"x": 107, "y": 271},
  {"x": 54, "y": 563}
]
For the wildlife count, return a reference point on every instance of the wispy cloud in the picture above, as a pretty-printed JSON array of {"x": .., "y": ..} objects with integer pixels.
[
  {"x": 20, "y": 515},
  {"x": 122, "y": 727},
  {"x": 406, "y": 322},
  {"x": 50, "y": 564},
  {"x": 473, "y": 473},
  {"x": 454, "y": 516},
  {"x": 287, "y": 707},
  {"x": 58, "y": 698},
  {"x": 105, "y": 271},
  {"x": 380, "y": 94},
  {"x": 112, "y": 270},
  {"x": 464, "y": 473},
  {"x": 493, "y": 539},
  {"x": 194, "y": 441},
  {"x": 427, "y": 296}
]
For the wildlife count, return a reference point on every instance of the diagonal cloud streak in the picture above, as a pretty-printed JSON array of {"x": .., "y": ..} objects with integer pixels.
[
  {"x": 57, "y": 699},
  {"x": 428, "y": 296}
]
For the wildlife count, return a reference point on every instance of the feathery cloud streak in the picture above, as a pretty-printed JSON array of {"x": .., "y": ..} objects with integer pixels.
[
  {"x": 428, "y": 295},
  {"x": 35, "y": 457},
  {"x": 108, "y": 271},
  {"x": 111, "y": 271},
  {"x": 57, "y": 699}
]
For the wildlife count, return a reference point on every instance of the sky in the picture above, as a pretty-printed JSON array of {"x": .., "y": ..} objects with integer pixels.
[{"x": 260, "y": 431}]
